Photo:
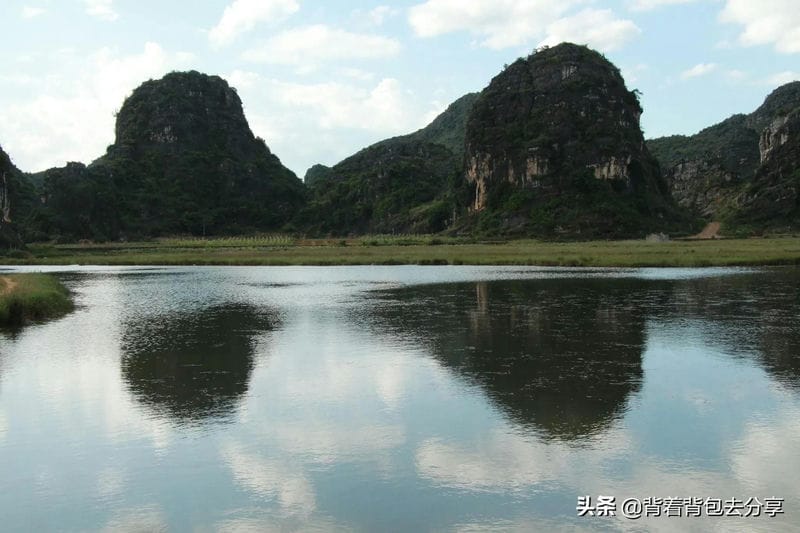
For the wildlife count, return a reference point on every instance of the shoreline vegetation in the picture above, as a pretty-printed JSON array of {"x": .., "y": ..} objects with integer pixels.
[
  {"x": 31, "y": 297},
  {"x": 284, "y": 250}
]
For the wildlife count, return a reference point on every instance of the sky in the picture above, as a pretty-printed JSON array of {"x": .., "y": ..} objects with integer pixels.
[{"x": 320, "y": 80}]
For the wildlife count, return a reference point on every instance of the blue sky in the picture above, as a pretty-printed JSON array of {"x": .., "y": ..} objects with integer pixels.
[{"x": 320, "y": 80}]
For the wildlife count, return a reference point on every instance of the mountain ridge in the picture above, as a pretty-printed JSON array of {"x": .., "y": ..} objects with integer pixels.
[{"x": 720, "y": 171}]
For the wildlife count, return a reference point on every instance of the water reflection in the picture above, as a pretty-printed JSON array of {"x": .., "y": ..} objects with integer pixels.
[
  {"x": 469, "y": 406},
  {"x": 559, "y": 356},
  {"x": 752, "y": 316},
  {"x": 195, "y": 365}
]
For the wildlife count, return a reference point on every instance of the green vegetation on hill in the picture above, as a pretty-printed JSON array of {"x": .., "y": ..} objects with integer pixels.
[
  {"x": 184, "y": 161},
  {"x": 732, "y": 143},
  {"x": 551, "y": 148},
  {"x": 25, "y": 297},
  {"x": 449, "y": 128},
  {"x": 554, "y": 148},
  {"x": 740, "y": 171},
  {"x": 389, "y": 187},
  {"x": 402, "y": 184}
]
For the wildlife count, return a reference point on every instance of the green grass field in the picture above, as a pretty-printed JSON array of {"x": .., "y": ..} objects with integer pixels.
[
  {"x": 381, "y": 250},
  {"x": 25, "y": 297}
]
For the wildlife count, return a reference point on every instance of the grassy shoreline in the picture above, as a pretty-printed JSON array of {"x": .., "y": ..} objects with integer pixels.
[
  {"x": 420, "y": 250},
  {"x": 26, "y": 297}
]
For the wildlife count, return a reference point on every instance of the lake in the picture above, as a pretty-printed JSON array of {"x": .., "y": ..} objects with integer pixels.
[{"x": 401, "y": 399}]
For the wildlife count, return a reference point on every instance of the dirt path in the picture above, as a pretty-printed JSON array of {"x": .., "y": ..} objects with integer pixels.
[
  {"x": 7, "y": 284},
  {"x": 711, "y": 231}
]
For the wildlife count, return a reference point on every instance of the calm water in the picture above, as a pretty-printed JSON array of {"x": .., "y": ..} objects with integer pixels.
[{"x": 400, "y": 399}]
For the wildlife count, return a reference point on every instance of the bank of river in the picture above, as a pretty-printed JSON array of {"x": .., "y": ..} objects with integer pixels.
[
  {"x": 421, "y": 250},
  {"x": 26, "y": 297}
]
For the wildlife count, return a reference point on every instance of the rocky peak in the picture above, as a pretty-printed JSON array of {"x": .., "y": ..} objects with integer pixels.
[
  {"x": 184, "y": 162},
  {"x": 561, "y": 114},
  {"x": 184, "y": 110},
  {"x": 778, "y": 103}
]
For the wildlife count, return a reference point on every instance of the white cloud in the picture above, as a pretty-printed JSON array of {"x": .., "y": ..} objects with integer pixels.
[
  {"x": 69, "y": 116},
  {"x": 101, "y": 9},
  {"x": 375, "y": 16},
  {"x": 29, "y": 12},
  {"x": 242, "y": 79},
  {"x": 736, "y": 75},
  {"x": 596, "y": 27},
  {"x": 501, "y": 23},
  {"x": 775, "y": 22},
  {"x": 357, "y": 74},
  {"x": 382, "y": 108},
  {"x": 310, "y": 45},
  {"x": 242, "y": 15},
  {"x": 781, "y": 78},
  {"x": 631, "y": 74},
  {"x": 701, "y": 69},
  {"x": 341, "y": 117},
  {"x": 647, "y": 5},
  {"x": 507, "y": 23}
]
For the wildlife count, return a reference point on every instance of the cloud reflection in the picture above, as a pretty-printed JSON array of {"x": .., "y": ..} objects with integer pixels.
[
  {"x": 501, "y": 460},
  {"x": 147, "y": 518},
  {"x": 271, "y": 479}
]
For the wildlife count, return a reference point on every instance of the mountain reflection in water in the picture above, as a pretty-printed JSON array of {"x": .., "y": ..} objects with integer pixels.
[
  {"x": 559, "y": 356},
  {"x": 405, "y": 398},
  {"x": 195, "y": 365}
]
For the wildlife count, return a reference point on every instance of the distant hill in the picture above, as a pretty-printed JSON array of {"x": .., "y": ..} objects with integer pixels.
[
  {"x": 742, "y": 170},
  {"x": 402, "y": 184}
]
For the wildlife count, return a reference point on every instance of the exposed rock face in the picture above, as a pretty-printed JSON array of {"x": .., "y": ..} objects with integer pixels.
[
  {"x": 184, "y": 161},
  {"x": 5, "y": 200},
  {"x": 772, "y": 199},
  {"x": 16, "y": 196},
  {"x": 722, "y": 171},
  {"x": 552, "y": 121},
  {"x": 773, "y": 136},
  {"x": 398, "y": 185}
]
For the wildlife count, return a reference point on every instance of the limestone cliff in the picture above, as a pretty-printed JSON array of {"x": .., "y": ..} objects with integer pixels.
[
  {"x": 553, "y": 145},
  {"x": 739, "y": 170},
  {"x": 772, "y": 199},
  {"x": 16, "y": 197}
]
